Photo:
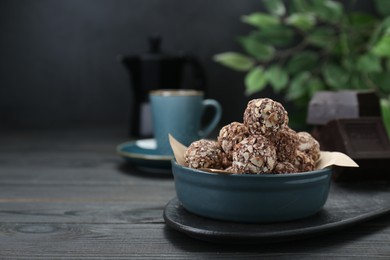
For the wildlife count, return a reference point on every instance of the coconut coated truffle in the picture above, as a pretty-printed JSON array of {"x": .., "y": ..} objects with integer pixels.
[
  {"x": 254, "y": 154},
  {"x": 286, "y": 143},
  {"x": 308, "y": 145},
  {"x": 284, "y": 167},
  {"x": 265, "y": 116},
  {"x": 230, "y": 135},
  {"x": 204, "y": 154},
  {"x": 303, "y": 162}
]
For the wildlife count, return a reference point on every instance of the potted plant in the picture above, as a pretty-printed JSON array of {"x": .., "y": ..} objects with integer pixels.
[{"x": 299, "y": 47}]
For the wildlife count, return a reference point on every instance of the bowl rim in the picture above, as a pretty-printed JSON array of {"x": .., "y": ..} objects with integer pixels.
[{"x": 265, "y": 175}]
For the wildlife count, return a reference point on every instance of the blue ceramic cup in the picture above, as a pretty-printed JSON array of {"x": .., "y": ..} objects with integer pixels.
[{"x": 179, "y": 113}]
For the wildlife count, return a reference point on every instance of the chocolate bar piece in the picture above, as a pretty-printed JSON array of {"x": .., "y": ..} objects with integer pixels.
[
  {"x": 364, "y": 140},
  {"x": 326, "y": 106}
]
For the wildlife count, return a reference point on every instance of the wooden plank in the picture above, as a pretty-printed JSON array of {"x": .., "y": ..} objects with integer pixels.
[
  {"x": 79, "y": 176},
  {"x": 155, "y": 241},
  {"x": 56, "y": 159},
  {"x": 82, "y": 212},
  {"x": 87, "y": 193},
  {"x": 66, "y": 194}
]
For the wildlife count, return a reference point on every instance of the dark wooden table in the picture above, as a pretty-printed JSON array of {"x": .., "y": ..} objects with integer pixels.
[{"x": 64, "y": 193}]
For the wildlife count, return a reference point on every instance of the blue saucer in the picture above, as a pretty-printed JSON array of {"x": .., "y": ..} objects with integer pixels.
[{"x": 145, "y": 156}]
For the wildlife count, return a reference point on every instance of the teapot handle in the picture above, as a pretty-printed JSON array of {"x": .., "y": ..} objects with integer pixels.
[{"x": 198, "y": 72}]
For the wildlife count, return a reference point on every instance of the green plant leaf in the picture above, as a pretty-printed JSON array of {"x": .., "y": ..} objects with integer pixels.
[
  {"x": 356, "y": 82},
  {"x": 382, "y": 47},
  {"x": 383, "y": 7},
  {"x": 275, "y": 7},
  {"x": 369, "y": 63},
  {"x": 298, "y": 87},
  {"x": 261, "y": 20},
  {"x": 301, "y": 6},
  {"x": 277, "y": 77},
  {"x": 341, "y": 46},
  {"x": 328, "y": 10},
  {"x": 235, "y": 61},
  {"x": 314, "y": 85},
  {"x": 256, "y": 48},
  {"x": 305, "y": 60},
  {"x": 378, "y": 32},
  {"x": 385, "y": 109},
  {"x": 345, "y": 43},
  {"x": 382, "y": 81},
  {"x": 361, "y": 19},
  {"x": 348, "y": 63},
  {"x": 323, "y": 37},
  {"x": 335, "y": 76},
  {"x": 255, "y": 80},
  {"x": 359, "y": 28},
  {"x": 277, "y": 35},
  {"x": 303, "y": 21}
]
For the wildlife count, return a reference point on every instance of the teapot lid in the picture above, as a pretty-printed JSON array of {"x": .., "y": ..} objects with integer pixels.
[
  {"x": 154, "y": 55},
  {"x": 155, "y": 51}
]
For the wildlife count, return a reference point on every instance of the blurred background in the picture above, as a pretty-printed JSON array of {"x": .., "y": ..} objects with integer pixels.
[{"x": 59, "y": 59}]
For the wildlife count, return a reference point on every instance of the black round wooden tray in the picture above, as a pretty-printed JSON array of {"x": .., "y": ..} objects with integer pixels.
[{"x": 348, "y": 204}]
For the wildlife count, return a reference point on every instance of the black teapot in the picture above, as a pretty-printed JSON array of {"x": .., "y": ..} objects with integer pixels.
[{"x": 156, "y": 69}]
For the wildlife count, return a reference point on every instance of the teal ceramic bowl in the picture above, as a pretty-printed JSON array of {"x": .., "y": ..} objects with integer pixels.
[{"x": 251, "y": 198}]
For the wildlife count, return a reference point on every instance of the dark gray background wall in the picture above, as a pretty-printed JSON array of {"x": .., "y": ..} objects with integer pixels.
[{"x": 58, "y": 58}]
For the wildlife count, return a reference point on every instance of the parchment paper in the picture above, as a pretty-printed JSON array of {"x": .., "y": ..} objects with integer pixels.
[{"x": 326, "y": 158}]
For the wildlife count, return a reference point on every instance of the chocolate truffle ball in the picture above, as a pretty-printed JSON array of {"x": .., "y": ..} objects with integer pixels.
[
  {"x": 226, "y": 160},
  {"x": 303, "y": 162},
  {"x": 284, "y": 167},
  {"x": 255, "y": 154},
  {"x": 286, "y": 142},
  {"x": 230, "y": 135},
  {"x": 204, "y": 154},
  {"x": 308, "y": 145},
  {"x": 265, "y": 116}
]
